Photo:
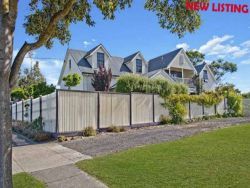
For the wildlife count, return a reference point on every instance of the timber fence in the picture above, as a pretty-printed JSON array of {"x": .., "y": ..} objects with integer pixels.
[{"x": 68, "y": 111}]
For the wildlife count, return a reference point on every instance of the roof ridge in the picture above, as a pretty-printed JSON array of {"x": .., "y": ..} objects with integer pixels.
[{"x": 166, "y": 53}]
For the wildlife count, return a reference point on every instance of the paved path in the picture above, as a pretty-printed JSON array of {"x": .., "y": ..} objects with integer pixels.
[
  {"x": 111, "y": 142},
  {"x": 53, "y": 164}
]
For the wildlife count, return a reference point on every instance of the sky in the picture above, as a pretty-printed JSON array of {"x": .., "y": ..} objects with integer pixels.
[{"x": 221, "y": 35}]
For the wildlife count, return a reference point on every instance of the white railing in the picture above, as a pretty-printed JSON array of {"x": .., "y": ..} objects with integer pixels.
[{"x": 188, "y": 81}]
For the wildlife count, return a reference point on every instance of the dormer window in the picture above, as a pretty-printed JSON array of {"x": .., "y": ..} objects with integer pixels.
[
  {"x": 138, "y": 66},
  {"x": 70, "y": 64},
  {"x": 100, "y": 59},
  {"x": 205, "y": 75}
]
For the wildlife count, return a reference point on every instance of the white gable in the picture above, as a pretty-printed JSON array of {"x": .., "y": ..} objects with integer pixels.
[{"x": 181, "y": 61}]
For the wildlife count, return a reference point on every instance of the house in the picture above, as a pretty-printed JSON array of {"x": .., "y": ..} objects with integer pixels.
[{"x": 174, "y": 66}]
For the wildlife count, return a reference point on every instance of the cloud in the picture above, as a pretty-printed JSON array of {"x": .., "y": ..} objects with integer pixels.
[
  {"x": 50, "y": 68},
  {"x": 185, "y": 46},
  {"x": 245, "y": 62},
  {"x": 88, "y": 43},
  {"x": 246, "y": 44},
  {"x": 222, "y": 47}
]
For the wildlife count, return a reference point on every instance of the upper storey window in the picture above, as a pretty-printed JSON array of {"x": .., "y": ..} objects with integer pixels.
[
  {"x": 138, "y": 66},
  {"x": 205, "y": 75},
  {"x": 100, "y": 59}
]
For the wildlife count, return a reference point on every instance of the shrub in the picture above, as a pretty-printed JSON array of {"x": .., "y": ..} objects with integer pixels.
[
  {"x": 135, "y": 83},
  {"x": 115, "y": 129},
  {"x": 235, "y": 104},
  {"x": 89, "y": 131},
  {"x": 61, "y": 138},
  {"x": 164, "y": 120}
]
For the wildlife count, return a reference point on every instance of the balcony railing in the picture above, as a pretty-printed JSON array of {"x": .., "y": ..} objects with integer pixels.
[{"x": 187, "y": 81}]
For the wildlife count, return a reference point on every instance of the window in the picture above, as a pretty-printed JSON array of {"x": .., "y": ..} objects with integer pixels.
[
  {"x": 205, "y": 76},
  {"x": 70, "y": 64},
  {"x": 100, "y": 59},
  {"x": 138, "y": 66},
  {"x": 176, "y": 74}
]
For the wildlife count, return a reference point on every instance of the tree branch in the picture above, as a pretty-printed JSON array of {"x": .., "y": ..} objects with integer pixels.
[{"x": 42, "y": 39}]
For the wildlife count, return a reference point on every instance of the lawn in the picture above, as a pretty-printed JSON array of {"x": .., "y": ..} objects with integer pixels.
[
  {"x": 215, "y": 159},
  {"x": 24, "y": 180}
]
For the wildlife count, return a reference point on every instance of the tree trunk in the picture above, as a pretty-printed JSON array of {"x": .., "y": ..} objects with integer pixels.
[{"x": 7, "y": 26}]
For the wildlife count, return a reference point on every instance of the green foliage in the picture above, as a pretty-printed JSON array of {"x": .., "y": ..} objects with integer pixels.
[
  {"x": 31, "y": 84},
  {"x": 220, "y": 67},
  {"x": 61, "y": 138},
  {"x": 34, "y": 90},
  {"x": 176, "y": 103},
  {"x": 195, "y": 57},
  {"x": 102, "y": 79},
  {"x": 235, "y": 104},
  {"x": 136, "y": 83},
  {"x": 72, "y": 80},
  {"x": 224, "y": 89},
  {"x": 89, "y": 131},
  {"x": 25, "y": 180},
  {"x": 30, "y": 77},
  {"x": 18, "y": 94}
]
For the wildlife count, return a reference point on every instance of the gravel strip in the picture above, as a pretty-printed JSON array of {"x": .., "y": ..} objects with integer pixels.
[{"x": 106, "y": 143}]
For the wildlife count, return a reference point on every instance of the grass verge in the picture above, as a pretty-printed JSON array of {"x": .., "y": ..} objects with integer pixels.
[
  {"x": 213, "y": 159},
  {"x": 25, "y": 180}
]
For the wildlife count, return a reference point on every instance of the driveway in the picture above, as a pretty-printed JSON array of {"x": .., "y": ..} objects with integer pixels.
[{"x": 106, "y": 143}]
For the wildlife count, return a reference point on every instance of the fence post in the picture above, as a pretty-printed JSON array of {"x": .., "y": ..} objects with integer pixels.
[
  {"x": 203, "y": 110},
  {"x": 98, "y": 110},
  {"x": 11, "y": 111},
  {"x": 189, "y": 108},
  {"x": 22, "y": 111},
  {"x": 215, "y": 109},
  {"x": 31, "y": 109},
  {"x": 130, "y": 109},
  {"x": 57, "y": 125},
  {"x": 153, "y": 108},
  {"x": 40, "y": 106},
  {"x": 16, "y": 111}
]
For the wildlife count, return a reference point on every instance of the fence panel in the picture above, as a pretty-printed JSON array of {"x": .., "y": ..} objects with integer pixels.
[
  {"x": 221, "y": 108},
  {"x": 142, "y": 108},
  {"x": 26, "y": 110},
  {"x": 35, "y": 108},
  {"x": 49, "y": 112},
  {"x": 19, "y": 111},
  {"x": 246, "y": 107},
  {"x": 159, "y": 109},
  {"x": 76, "y": 111},
  {"x": 209, "y": 111},
  {"x": 13, "y": 106},
  {"x": 196, "y": 110},
  {"x": 114, "y": 110}
]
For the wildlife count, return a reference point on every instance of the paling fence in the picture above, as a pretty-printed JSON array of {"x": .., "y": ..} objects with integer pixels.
[
  {"x": 246, "y": 107},
  {"x": 72, "y": 111}
]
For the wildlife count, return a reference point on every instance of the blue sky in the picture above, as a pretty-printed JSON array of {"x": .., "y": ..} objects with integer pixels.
[{"x": 221, "y": 35}]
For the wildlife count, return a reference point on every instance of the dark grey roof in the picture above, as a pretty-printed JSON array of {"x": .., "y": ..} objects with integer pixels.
[
  {"x": 200, "y": 67},
  {"x": 117, "y": 64},
  {"x": 130, "y": 57},
  {"x": 162, "y": 61},
  {"x": 92, "y": 50}
]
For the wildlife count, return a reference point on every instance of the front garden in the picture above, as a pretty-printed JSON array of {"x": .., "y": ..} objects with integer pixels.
[{"x": 214, "y": 159}]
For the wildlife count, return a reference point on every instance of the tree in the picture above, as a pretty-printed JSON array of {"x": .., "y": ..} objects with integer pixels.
[
  {"x": 72, "y": 80},
  {"x": 221, "y": 67},
  {"x": 102, "y": 79},
  {"x": 31, "y": 76},
  {"x": 49, "y": 20},
  {"x": 195, "y": 57}
]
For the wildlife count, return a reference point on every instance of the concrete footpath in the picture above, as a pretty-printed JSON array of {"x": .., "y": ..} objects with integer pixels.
[{"x": 52, "y": 163}]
